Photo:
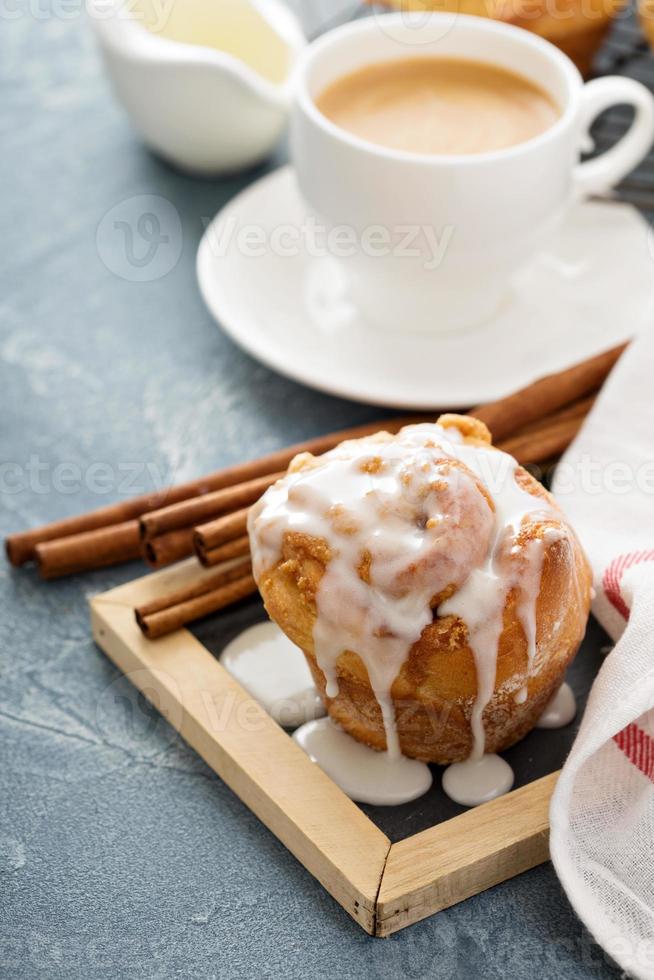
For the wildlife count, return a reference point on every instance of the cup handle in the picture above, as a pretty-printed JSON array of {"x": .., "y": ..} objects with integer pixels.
[{"x": 605, "y": 171}]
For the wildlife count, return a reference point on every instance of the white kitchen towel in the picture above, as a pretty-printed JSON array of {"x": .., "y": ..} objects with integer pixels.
[{"x": 602, "y": 813}]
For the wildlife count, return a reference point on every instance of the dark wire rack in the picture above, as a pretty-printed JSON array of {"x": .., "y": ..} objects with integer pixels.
[{"x": 626, "y": 52}]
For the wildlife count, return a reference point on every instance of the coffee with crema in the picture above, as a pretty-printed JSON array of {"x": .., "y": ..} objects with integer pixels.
[{"x": 438, "y": 105}]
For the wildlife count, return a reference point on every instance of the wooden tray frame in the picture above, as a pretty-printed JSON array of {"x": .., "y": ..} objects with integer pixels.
[{"x": 384, "y": 887}]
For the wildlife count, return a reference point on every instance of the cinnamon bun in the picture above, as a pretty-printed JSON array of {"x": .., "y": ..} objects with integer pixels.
[{"x": 435, "y": 587}]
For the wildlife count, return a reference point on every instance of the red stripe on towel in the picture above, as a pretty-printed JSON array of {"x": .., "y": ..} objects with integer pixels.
[
  {"x": 612, "y": 577},
  {"x": 638, "y": 747}
]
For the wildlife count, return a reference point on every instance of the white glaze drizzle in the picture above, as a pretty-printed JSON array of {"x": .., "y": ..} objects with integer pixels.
[
  {"x": 365, "y": 775},
  {"x": 510, "y": 564},
  {"x": 561, "y": 709},
  {"x": 274, "y": 671},
  {"x": 424, "y": 522}
]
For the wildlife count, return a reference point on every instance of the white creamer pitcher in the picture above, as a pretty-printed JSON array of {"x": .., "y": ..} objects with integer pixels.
[{"x": 206, "y": 82}]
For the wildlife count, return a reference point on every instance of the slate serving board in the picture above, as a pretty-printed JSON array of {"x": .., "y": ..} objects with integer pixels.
[{"x": 540, "y": 753}]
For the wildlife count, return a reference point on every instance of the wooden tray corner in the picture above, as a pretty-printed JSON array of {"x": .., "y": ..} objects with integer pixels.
[{"x": 384, "y": 886}]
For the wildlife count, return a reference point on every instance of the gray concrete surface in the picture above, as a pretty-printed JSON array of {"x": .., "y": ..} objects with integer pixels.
[{"x": 121, "y": 854}]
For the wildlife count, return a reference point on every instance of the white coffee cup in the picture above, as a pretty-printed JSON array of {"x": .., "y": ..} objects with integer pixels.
[{"x": 438, "y": 238}]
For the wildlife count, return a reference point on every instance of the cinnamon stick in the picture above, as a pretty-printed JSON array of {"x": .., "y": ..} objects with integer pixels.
[
  {"x": 172, "y": 611},
  {"x": 231, "y": 549},
  {"x": 167, "y": 548},
  {"x": 551, "y": 441},
  {"x": 216, "y": 534},
  {"x": 545, "y": 396},
  {"x": 91, "y": 549},
  {"x": 199, "y": 510},
  {"x": 576, "y": 410},
  {"x": 21, "y": 547}
]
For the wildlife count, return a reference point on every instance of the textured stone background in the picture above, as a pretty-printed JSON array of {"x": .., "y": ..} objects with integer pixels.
[{"x": 121, "y": 855}]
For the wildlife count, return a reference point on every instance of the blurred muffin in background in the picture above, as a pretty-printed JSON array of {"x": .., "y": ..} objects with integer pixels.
[
  {"x": 577, "y": 27},
  {"x": 646, "y": 16}
]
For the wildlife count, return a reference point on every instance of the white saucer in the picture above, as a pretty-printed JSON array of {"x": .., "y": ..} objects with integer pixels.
[{"x": 592, "y": 290}]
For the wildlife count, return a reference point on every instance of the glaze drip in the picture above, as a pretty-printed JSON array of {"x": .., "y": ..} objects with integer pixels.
[
  {"x": 274, "y": 671},
  {"x": 409, "y": 520},
  {"x": 513, "y": 562},
  {"x": 365, "y": 775},
  {"x": 477, "y": 781},
  {"x": 561, "y": 710}
]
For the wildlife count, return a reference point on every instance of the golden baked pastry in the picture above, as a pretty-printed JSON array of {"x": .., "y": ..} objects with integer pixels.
[
  {"x": 435, "y": 587},
  {"x": 506, "y": 10},
  {"x": 646, "y": 17},
  {"x": 577, "y": 27}
]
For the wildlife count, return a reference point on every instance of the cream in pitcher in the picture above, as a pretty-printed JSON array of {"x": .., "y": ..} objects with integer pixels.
[
  {"x": 207, "y": 84},
  {"x": 237, "y": 27}
]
